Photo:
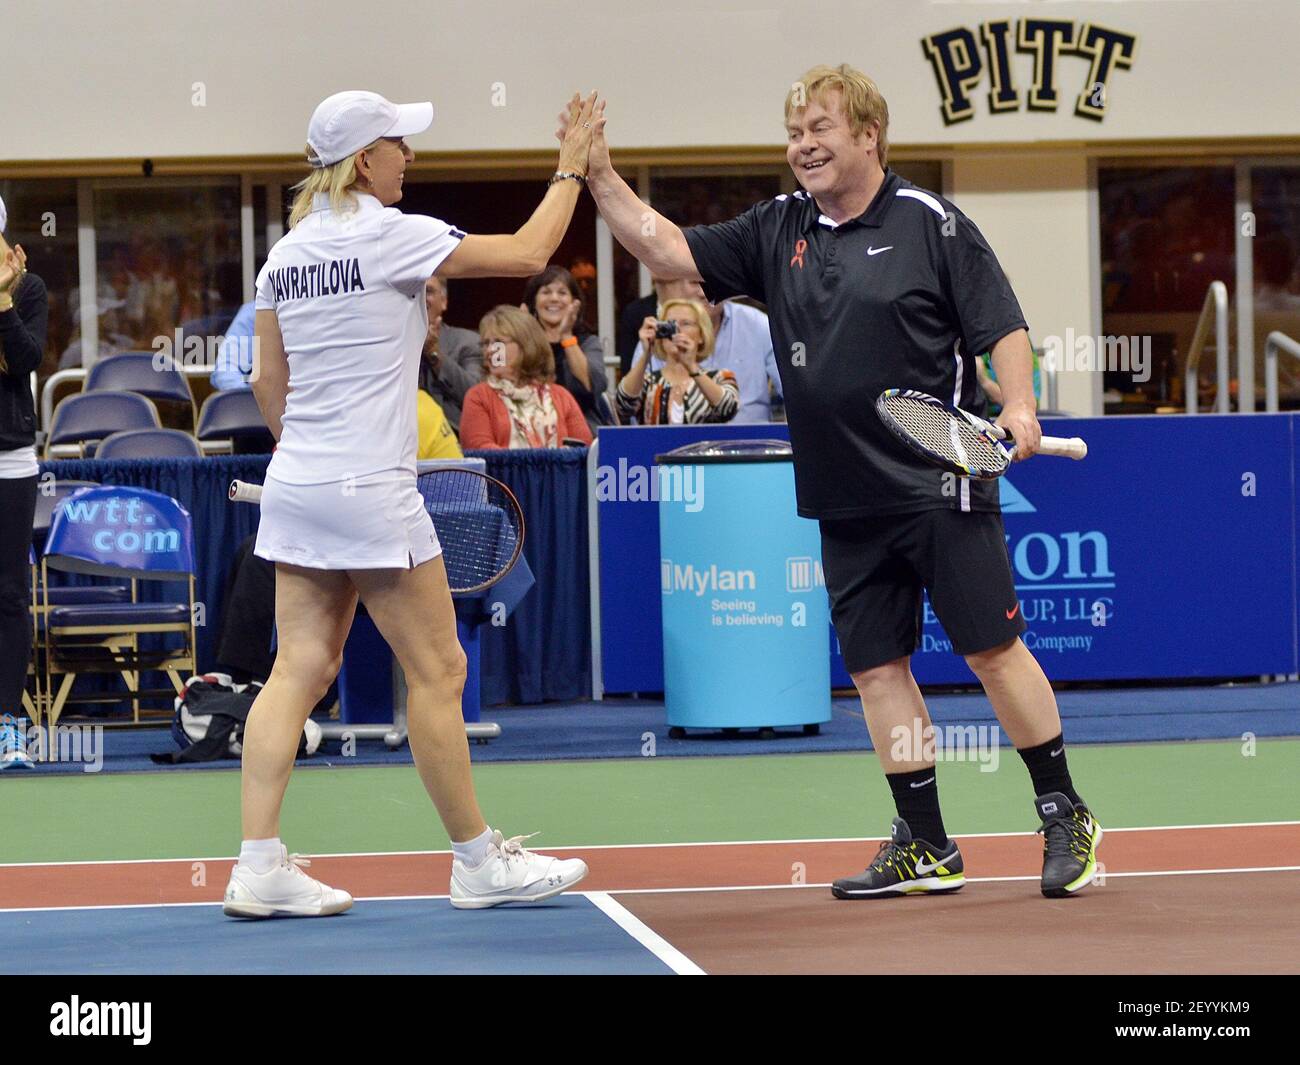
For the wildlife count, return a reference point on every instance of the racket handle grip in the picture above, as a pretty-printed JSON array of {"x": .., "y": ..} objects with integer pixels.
[
  {"x": 243, "y": 492},
  {"x": 1066, "y": 447}
]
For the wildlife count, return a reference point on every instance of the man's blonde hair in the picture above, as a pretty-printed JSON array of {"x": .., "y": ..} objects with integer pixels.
[
  {"x": 336, "y": 181},
  {"x": 863, "y": 104},
  {"x": 702, "y": 319}
]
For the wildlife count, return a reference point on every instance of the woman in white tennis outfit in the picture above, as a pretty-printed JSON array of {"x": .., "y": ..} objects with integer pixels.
[{"x": 340, "y": 323}]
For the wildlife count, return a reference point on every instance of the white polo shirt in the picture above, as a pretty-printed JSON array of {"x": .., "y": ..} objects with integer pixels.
[{"x": 348, "y": 292}]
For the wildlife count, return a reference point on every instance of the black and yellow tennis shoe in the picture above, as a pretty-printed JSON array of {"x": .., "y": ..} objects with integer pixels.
[
  {"x": 905, "y": 866},
  {"x": 1070, "y": 838}
]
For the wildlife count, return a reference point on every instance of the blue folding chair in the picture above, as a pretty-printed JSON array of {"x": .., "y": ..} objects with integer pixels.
[
  {"x": 88, "y": 417},
  {"x": 230, "y": 416},
  {"x": 49, "y": 498},
  {"x": 119, "y": 532},
  {"x": 144, "y": 373},
  {"x": 149, "y": 444}
]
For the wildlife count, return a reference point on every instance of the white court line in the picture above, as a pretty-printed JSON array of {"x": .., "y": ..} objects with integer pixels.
[
  {"x": 969, "y": 880},
  {"x": 644, "y": 846},
  {"x": 678, "y": 962},
  {"x": 665, "y": 891}
]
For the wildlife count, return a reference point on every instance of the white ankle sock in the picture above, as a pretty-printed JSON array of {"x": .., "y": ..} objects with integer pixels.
[
  {"x": 472, "y": 852},
  {"x": 260, "y": 855}
]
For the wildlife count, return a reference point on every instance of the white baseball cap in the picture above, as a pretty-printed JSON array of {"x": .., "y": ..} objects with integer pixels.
[
  {"x": 4, "y": 215},
  {"x": 348, "y": 121}
]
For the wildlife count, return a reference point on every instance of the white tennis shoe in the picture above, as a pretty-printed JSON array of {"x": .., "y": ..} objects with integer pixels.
[
  {"x": 512, "y": 874},
  {"x": 285, "y": 891}
]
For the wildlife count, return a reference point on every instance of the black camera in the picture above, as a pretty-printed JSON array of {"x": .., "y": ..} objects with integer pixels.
[{"x": 664, "y": 330}]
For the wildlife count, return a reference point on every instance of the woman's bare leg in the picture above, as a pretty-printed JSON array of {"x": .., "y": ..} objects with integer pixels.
[
  {"x": 413, "y": 611},
  {"x": 313, "y": 614}
]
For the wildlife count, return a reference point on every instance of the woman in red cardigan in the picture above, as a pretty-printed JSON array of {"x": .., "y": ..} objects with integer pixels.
[{"x": 518, "y": 404}]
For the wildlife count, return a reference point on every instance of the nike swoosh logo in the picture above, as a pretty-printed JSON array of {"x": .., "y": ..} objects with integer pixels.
[
  {"x": 1057, "y": 753},
  {"x": 1013, "y": 611},
  {"x": 877, "y": 251},
  {"x": 928, "y": 780},
  {"x": 922, "y": 868}
]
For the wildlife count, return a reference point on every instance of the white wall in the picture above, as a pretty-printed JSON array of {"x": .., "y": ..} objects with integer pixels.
[
  {"x": 1034, "y": 215},
  {"x": 115, "y": 80}
]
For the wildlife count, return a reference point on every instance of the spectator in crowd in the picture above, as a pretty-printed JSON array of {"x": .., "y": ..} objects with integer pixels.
[
  {"x": 554, "y": 298},
  {"x": 988, "y": 379},
  {"x": 451, "y": 363},
  {"x": 24, "y": 312},
  {"x": 436, "y": 439},
  {"x": 742, "y": 343},
  {"x": 681, "y": 393},
  {"x": 629, "y": 326},
  {"x": 112, "y": 341},
  {"x": 234, "y": 362},
  {"x": 519, "y": 404}
]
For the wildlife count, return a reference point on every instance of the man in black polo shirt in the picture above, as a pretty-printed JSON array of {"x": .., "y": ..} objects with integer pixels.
[{"x": 871, "y": 283}]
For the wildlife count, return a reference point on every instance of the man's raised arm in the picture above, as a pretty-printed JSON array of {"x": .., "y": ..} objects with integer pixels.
[{"x": 643, "y": 231}]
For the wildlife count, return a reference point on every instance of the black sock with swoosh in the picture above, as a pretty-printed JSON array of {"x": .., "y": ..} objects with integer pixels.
[
  {"x": 1047, "y": 768},
  {"x": 916, "y": 795}
]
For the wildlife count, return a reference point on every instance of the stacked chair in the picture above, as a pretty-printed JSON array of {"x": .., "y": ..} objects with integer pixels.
[{"x": 121, "y": 394}]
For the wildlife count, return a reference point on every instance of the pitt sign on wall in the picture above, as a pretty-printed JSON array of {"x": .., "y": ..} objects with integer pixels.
[{"x": 961, "y": 58}]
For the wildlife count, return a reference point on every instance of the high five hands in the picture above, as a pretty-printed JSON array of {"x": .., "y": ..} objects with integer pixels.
[{"x": 581, "y": 134}]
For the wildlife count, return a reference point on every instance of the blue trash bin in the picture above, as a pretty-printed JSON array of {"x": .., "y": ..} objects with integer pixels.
[{"x": 745, "y": 612}]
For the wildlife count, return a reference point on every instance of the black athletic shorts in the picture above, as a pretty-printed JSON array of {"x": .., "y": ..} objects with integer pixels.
[{"x": 876, "y": 568}]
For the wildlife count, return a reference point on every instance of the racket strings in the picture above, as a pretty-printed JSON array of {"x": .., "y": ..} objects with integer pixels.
[
  {"x": 952, "y": 438},
  {"x": 477, "y": 523}
]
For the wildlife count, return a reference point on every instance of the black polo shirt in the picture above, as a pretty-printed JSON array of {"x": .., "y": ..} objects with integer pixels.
[{"x": 905, "y": 296}]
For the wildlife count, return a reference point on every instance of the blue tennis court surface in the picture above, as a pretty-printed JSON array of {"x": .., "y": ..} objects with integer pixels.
[{"x": 570, "y": 936}]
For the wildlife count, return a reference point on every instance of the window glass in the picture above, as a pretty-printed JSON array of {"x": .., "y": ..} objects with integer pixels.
[
  {"x": 1276, "y": 204},
  {"x": 168, "y": 257},
  {"x": 43, "y": 219},
  {"x": 1166, "y": 234}
]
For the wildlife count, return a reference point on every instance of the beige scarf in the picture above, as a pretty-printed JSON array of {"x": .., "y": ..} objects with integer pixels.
[{"x": 534, "y": 421}]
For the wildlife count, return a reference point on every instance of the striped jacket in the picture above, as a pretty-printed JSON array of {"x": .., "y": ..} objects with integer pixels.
[{"x": 650, "y": 406}]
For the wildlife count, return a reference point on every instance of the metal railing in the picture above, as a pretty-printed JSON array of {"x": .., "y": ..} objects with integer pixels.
[
  {"x": 1277, "y": 341},
  {"x": 1216, "y": 297}
]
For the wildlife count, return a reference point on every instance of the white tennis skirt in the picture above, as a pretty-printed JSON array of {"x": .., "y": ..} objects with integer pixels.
[{"x": 376, "y": 524}]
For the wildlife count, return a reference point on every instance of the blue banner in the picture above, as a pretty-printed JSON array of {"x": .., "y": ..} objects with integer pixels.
[
  {"x": 116, "y": 530},
  {"x": 1169, "y": 552}
]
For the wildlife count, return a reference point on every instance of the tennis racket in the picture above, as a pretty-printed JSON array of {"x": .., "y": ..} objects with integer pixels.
[
  {"x": 956, "y": 439},
  {"x": 477, "y": 518}
]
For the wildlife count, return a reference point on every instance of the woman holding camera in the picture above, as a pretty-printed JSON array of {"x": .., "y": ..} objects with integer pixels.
[
  {"x": 681, "y": 393},
  {"x": 24, "y": 309}
]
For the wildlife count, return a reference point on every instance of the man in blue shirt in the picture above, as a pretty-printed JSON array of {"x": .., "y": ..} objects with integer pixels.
[
  {"x": 742, "y": 344},
  {"x": 234, "y": 361}
]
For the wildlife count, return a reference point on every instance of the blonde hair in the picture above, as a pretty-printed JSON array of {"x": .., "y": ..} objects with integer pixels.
[
  {"x": 862, "y": 102},
  {"x": 537, "y": 365},
  {"x": 702, "y": 319},
  {"x": 336, "y": 181}
]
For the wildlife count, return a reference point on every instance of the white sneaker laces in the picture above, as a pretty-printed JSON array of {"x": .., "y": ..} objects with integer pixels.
[
  {"x": 513, "y": 847},
  {"x": 296, "y": 863}
]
